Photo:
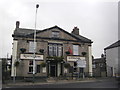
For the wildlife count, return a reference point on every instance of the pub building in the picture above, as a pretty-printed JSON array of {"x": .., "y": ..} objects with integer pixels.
[{"x": 57, "y": 52}]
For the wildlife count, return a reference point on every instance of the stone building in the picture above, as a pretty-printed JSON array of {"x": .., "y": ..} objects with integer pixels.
[
  {"x": 56, "y": 49},
  {"x": 99, "y": 67}
]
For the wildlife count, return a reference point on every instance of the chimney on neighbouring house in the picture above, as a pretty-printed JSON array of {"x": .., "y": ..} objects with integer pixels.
[
  {"x": 17, "y": 24},
  {"x": 75, "y": 31}
]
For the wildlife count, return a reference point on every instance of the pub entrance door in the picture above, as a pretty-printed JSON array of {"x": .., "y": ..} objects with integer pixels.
[{"x": 52, "y": 70}]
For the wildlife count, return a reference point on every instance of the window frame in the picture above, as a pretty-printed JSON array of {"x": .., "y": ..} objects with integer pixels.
[
  {"x": 55, "y": 49},
  {"x": 30, "y": 69},
  {"x": 75, "y": 51},
  {"x": 31, "y": 46},
  {"x": 55, "y": 34},
  {"x": 30, "y": 66}
]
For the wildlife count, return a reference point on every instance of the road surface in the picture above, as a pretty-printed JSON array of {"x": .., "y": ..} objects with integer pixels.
[{"x": 101, "y": 83}]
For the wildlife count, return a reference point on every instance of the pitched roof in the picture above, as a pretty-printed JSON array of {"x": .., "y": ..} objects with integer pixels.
[
  {"x": 82, "y": 38},
  {"x": 99, "y": 60},
  {"x": 23, "y": 31},
  {"x": 116, "y": 44},
  {"x": 30, "y": 32}
]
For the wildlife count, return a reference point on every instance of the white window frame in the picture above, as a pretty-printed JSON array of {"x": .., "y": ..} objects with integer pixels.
[
  {"x": 30, "y": 66},
  {"x": 31, "y": 46},
  {"x": 75, "y": 49},
  {"x": 55, "y": 50},
  {"x": 59, "y": 51},
  {"x": 55, "y": 34},
  {"x": 50, "y": 50}
]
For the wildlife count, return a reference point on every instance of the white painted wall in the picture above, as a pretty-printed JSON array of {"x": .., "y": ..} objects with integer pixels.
[
  {"x": 119, "y": 61},
  {"x": 14, "y": 57},
  {"x": 112, "y": 61},
  {"x": 90, "y": 60}
]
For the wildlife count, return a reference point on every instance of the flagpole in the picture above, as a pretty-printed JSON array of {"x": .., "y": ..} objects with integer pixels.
[{"x": 34, "y": 65}]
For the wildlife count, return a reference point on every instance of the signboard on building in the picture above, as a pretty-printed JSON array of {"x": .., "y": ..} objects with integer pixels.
[
  {"x": 74, "y": 58},
  {"x": 31, "y": 56},
  {"x": 81, "y": 63}
]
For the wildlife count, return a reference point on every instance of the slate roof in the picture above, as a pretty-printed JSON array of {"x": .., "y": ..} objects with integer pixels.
[
  {"x": 99, "y": 60},
  {"x": 82, "y": 38},
  {"x": 116, "y": 44},
  {"x": 30, "y": 32},
  {"x": 23, "y": 31}
]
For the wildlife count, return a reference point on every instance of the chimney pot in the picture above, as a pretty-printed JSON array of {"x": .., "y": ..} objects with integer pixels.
[{"x": 17, "y": 24}]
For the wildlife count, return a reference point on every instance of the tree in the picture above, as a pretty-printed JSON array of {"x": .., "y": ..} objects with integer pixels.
[
  {"x": 43, "y": 64},
  {"x": 66, "y": 65},
  {"x": 4, "y": 70},
  {"x": 16, "y": 64},
  {"x": 57, "y": 59}
]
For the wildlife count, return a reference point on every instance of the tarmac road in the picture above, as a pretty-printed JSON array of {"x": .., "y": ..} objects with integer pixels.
[{"x": 100, "y": 83}]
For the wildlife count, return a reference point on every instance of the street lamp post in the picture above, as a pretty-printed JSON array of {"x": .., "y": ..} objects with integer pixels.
[{"x": 34, "y": 66}]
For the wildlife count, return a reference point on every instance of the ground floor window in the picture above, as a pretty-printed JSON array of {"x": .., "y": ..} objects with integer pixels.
[
  {"x": 75, "y": 69},
  {"x": 30, "y": 69},
  {"x": 75, "y": 66},
  {"x": 30, "y": 66},
  {"x": 38, "y": 67}
]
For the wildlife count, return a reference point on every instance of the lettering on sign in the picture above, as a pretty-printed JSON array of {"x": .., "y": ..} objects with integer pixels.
[
  {"x": 74, "y": 58},
  {"x": 31, "y": 56}
]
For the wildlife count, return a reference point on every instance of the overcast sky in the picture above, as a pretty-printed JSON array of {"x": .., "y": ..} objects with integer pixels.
[{"x": 96, "y": 20}]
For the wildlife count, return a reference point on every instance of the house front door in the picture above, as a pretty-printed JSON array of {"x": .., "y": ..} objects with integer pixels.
[{"x": 52, "y": 70}]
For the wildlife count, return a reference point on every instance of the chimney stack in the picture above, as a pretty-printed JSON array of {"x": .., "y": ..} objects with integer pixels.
[
  {"x": 75, "y": 31},
  {"x": 17, "y": 24}
]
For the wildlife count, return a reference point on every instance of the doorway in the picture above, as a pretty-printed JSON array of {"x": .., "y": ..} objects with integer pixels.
[{"x": 52, "y": 71}]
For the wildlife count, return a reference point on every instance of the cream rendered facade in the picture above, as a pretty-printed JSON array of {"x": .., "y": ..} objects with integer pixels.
[{"x": 112, "y": 61}]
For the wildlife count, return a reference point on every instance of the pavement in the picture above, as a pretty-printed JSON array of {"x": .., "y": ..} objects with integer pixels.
[{"x": 51, "y": 81}]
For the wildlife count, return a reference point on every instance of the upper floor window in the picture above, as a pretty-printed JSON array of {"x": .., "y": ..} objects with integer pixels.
[
  {"x": 55, "y": 50},
  {"x": 55, "y": 34},
  {"x": 31, "y": 46},
  {"x": 75, "y": 49}
]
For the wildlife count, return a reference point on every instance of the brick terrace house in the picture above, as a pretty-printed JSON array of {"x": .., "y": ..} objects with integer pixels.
[{"x": 55, "y": 49}]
